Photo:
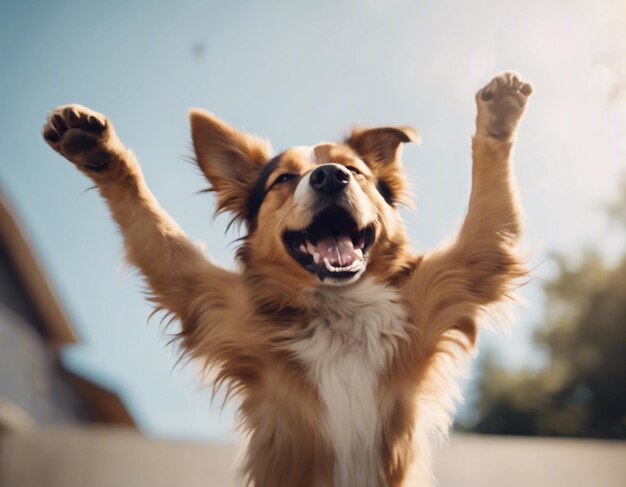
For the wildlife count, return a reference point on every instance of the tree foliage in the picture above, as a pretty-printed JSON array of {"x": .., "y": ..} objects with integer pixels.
[{"x": 581, "y": 392}]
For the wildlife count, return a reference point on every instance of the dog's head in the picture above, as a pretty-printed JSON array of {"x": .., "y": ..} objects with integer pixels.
[{"x": 324, "y": 214}]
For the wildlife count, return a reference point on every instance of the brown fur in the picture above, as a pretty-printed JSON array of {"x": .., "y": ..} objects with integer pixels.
[{"x": 239, "y": 323}]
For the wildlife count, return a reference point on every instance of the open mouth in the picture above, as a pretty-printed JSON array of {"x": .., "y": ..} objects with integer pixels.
[{"x": 333, "y": 246}]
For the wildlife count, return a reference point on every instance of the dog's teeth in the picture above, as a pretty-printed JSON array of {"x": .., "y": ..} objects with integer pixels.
[
  {"x": 317, "y": 258},
  {"x": 355, "y": 266},
  {"x": 310, "y": 247},
  {"x": 302, "y": 248}
]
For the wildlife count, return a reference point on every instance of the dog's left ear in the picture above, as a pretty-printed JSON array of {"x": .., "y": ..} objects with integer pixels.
[
  {"x": 230, "y": 159},
  {"x": 380, "y": 149}
]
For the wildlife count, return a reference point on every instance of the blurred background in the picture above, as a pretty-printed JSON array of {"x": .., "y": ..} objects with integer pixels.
[{"x": 78, "y": 357}]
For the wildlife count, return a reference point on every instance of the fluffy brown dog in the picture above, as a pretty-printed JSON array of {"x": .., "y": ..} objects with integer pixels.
[{"x": 338, "y": 341}]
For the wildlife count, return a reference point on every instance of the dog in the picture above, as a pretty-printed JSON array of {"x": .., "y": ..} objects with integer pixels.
[{"x": 339, "y": 342}]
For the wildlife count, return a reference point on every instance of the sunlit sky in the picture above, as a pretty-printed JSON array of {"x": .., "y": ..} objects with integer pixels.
[{"x": 298, "y": 73}]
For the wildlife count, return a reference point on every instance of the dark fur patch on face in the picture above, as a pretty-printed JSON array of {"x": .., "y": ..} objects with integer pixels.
[
  {"x": 259, "y": 192},
  {"x": 385, "y": 191}
]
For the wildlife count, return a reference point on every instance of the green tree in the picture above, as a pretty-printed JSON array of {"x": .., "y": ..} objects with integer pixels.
[{"x": 581, "y": 391}]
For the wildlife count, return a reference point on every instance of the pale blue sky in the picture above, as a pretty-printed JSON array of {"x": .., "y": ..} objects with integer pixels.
[{"x": 297, "y": 73}]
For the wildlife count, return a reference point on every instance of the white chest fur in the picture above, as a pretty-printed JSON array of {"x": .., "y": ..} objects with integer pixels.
[{"x": 351, "y": 341}]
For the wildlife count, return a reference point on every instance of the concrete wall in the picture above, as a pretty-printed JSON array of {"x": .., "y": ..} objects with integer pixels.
[
  {"x": 98, "y": 456},
  {"x": 101, "y": 456},
  {"x": 499, "y": 461}
]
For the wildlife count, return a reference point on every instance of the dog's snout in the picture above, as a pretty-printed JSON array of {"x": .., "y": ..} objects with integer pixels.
[{"x": 330, "y": 178}]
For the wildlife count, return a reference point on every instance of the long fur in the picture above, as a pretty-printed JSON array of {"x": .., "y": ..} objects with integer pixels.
[{"x": 339, "y": 385}]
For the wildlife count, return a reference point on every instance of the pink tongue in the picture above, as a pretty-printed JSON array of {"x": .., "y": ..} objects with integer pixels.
[{"x": 338, "y": 250}]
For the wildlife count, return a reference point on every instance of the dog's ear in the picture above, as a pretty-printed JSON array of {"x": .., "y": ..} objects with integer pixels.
[
  {"x": 380, "y": 149},
  {"x": 230, "y": 159}
]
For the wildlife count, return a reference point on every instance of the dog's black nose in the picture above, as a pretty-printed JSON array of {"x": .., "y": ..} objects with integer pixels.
[{"x": 330, "y": 178}]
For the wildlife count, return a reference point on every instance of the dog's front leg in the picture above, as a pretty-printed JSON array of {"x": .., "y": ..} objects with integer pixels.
[
  {"x": 205, "y": 298},
  {"x": 451, "y": 287}
]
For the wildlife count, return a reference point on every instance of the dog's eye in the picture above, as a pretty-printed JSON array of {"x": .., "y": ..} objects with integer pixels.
[
  {"x": 353, "y": 170},
  {"x": 283, "y": 178}
]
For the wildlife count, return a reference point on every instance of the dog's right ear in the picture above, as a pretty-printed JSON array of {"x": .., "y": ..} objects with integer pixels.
[
  {"x": 380, "y": 149},
  {"x": 231, "y": 160}
]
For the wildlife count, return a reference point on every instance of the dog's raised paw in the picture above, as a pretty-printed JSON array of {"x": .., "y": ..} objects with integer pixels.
[
  {"x": 82, "y": 136},
  {"x": 501, "y": 104}
]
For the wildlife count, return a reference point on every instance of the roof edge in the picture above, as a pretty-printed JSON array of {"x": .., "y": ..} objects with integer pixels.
[{"x": 30, "y": 270}]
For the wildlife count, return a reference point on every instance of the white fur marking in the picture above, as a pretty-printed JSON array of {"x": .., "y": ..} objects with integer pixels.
[
  {"x": 307, "y": 151},
  {"x": 353, "y": 339},
  {"x": 303, "y": 194}
]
